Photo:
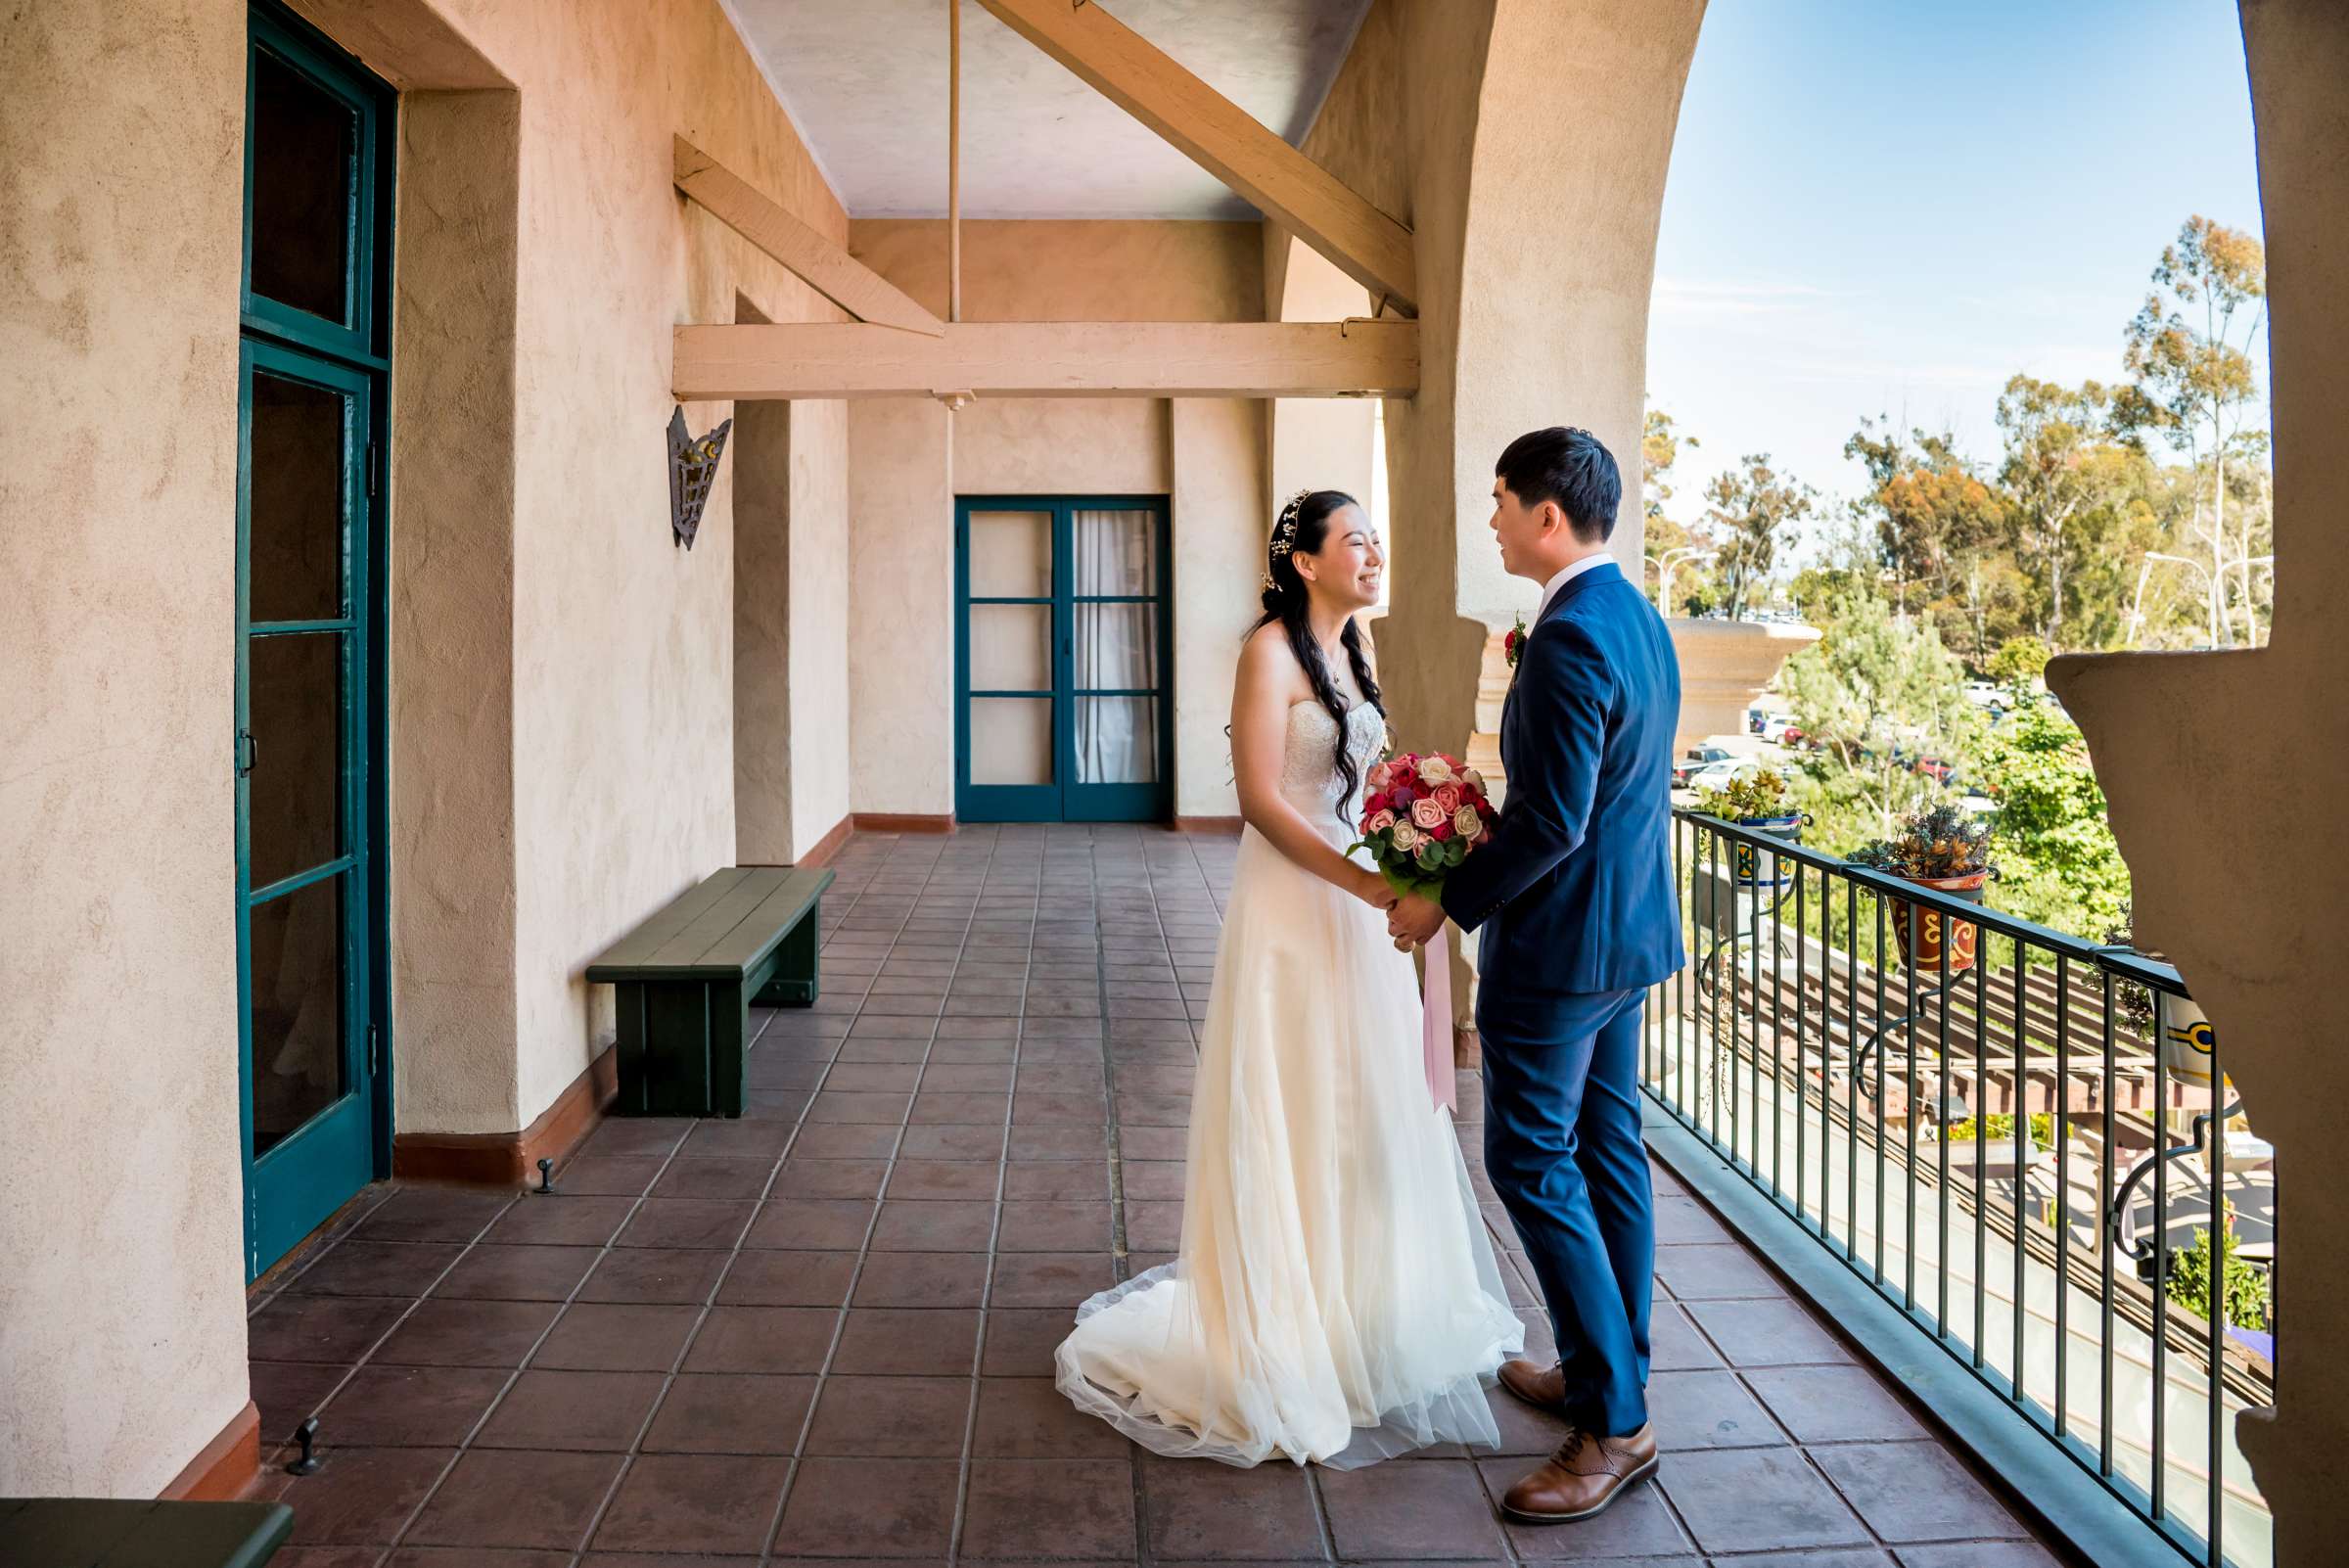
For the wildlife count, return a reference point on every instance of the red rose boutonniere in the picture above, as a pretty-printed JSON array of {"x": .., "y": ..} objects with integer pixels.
[{"x": 1512, "y": 647}]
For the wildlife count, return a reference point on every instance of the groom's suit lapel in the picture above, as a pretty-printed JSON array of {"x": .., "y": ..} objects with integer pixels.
[{"x": 1605, "y": 572}]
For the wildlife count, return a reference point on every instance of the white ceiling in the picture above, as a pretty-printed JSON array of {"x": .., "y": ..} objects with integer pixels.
[{"x": 866, "y": 83}]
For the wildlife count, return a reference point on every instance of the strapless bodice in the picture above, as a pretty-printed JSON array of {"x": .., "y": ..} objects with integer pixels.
[{"x": 1309, "y": 768}]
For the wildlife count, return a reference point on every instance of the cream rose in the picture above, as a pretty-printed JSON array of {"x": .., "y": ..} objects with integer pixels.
[
  {"x": 1435, "y": 770},
  {"x": 1467, "y": 824},
  {"x": 1472, "y": 778},
  {"x": 1426, "y": 813},
  {"x": 1379, "y": 824},
  {"x": 1406, "y": 837}
]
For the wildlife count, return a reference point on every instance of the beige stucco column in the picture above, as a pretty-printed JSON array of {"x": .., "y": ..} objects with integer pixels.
[
  {"x": 1527, "y": 144},
  {"x": 2212, "y": 763}
]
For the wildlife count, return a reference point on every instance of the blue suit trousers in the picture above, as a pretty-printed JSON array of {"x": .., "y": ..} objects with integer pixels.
[{"x": 1562, "y": 1147}]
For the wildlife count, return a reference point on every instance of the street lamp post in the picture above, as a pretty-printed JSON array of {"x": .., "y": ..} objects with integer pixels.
[{"x": 1664, "y": 565}]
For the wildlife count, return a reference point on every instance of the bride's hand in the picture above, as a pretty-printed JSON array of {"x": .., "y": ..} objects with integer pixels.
[{"x": 1373, "y": 889}]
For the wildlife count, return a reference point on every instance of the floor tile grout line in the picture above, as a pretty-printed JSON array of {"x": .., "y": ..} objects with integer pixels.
[
  {"x": 603, "y": 1253},
  {"x": 987, "y": 1282},
  {"x": 391, "y": 1328},
  {"x": 864, "y": 1248},
  {"x": 514, "y": 1376},
  {"x": 709, "y": 1304}
]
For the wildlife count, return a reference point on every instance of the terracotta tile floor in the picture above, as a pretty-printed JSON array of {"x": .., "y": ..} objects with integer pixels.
[{"x": 826, "y": 1330}]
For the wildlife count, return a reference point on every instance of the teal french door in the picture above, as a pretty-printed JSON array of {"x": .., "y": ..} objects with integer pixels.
[
  {"x": 1063, "y": 649},
  {"x": 308, "y": 634}
]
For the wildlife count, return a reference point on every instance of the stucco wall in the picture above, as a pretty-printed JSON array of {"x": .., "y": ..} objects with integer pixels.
[
  {"x": 1211, "y": 463},
  {"x": 618, "y": 675},
  {"x": 819, "y": 619},
  {"x": 900, "y": 607},
  {"x": 121, "y": 1301}
]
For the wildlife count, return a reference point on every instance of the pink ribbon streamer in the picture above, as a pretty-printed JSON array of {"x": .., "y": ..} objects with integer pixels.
[{"x": 1435, "y": 1024}]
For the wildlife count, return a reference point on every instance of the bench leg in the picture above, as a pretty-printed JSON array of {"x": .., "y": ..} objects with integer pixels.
[
  {"x": 682, "y": 1045},
  {"x": 795, "y": 979}
]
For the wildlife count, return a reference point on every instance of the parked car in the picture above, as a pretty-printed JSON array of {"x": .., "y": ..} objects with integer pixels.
[
  {"x": 1699, "y": 756},
  {"x": 1718, "y": 775},
  {"x": 1934, "y": 768},
  {"x": 1776, "y": 728}
]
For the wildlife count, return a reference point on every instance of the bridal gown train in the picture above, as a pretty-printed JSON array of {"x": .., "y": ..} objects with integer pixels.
[{"x": 1335, "y": 1299}]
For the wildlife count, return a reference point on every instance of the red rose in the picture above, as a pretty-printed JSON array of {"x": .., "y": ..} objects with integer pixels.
[
  {"x": 1441, "y": 832},
  {"x": 1377, "y": 804}
]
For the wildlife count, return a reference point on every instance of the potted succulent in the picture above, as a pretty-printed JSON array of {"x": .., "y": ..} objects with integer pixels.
[
  {"x": 1758, "y": 801},
  {"x": 1944, "y": 848}
]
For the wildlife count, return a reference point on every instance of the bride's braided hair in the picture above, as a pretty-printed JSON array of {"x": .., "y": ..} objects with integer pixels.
[{"x": 1300, "y": 529}]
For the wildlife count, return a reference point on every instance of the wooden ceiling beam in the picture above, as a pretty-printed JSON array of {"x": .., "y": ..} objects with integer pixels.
[
  {"x": 826, "y": 268},
  {"x": 1226, "y": 140},
  {"x": 1050, "y": 359}
]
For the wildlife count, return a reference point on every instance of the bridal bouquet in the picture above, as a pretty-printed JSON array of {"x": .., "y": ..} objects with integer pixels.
[{"x": 1421, "y": 817}]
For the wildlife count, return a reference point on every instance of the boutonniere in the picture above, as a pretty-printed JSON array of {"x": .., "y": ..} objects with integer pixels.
[{"x": 1512, "y": 647}]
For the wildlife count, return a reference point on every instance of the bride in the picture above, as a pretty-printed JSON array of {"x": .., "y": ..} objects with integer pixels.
[{"x": 1335, "y": 1299}]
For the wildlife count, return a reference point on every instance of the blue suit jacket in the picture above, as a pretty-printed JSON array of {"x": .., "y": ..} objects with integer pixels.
[{"x": 1574, "y": 892}]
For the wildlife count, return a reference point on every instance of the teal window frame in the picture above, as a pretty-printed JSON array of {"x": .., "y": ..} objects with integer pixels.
[
  {"x": 310, "y": 1174},
  {"x": 1065, "y": 799}
]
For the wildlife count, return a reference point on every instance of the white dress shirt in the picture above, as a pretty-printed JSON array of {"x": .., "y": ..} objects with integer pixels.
[{"x": 1549, "y": 589}]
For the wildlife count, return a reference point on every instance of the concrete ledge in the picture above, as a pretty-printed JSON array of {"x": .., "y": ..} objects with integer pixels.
[{"x": 2062, "y": 1498}]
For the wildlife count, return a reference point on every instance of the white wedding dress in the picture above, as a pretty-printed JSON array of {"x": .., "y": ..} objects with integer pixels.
[{"x": 1335, "y": 1299}]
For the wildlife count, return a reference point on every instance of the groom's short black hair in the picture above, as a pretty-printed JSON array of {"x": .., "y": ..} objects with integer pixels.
[{"x": 1570, "y": 467}]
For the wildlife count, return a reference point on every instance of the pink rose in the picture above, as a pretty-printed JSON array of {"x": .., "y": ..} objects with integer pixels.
[
  {"x": 1426, "y": 813},
  {"x": 1448, "y": 797},
  {"x": 1406, "y": 837},
  {"x": 1379, "y": 822},
  {"x": 1467, "y": 824},
  {"x": 1380, "y": 776}
]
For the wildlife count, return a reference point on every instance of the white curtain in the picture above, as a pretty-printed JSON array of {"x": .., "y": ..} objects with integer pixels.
[{"x": 1116, "y": 648}]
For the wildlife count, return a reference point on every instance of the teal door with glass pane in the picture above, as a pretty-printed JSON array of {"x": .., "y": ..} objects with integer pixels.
[
  {"x": 312, "y": 375},
  {"x": 1063, "y": 637}
]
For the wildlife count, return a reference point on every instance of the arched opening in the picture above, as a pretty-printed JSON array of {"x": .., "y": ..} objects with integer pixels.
[{"x": 1918, "y": 421}]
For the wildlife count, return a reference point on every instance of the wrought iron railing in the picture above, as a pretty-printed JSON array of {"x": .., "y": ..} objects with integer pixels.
[{"x": 2024, "y": 1140}]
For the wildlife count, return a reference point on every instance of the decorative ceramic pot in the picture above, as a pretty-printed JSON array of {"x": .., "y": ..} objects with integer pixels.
[
  {"x": 1757, "y": 868},
  {"x": 2187, "y": 1039},
  {"x": 1928, "y": 940}
]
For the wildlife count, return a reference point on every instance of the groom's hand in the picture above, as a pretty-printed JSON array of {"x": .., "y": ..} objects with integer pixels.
[{"x": 1414, "y": 920}]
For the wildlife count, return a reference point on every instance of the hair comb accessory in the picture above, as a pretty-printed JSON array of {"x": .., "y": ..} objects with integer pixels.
[{"x": 1284, "y": 530}]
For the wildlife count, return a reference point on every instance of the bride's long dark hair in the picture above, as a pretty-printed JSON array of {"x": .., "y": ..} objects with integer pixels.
[{"x": 1301, "y": 529}]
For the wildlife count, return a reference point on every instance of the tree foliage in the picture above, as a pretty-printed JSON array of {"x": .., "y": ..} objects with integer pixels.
[
  {"x": 1753, "y": 511},
  {"x": 1876, "y": 692},
  {"x": 2059, "y": 863}
]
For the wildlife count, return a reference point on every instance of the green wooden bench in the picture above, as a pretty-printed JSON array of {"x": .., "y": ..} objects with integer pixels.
[
  {"x": 689, "y": 975},
  {"x": 136, "y": 1533}
]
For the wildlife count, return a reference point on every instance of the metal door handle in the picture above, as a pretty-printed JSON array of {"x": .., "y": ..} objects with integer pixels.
[{"x": 248, "y": 753}]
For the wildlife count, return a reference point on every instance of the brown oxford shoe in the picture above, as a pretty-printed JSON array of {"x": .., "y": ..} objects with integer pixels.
[
  {"x": 1583, "y": 1477},
  {"x": 1541, "y": 1387}
]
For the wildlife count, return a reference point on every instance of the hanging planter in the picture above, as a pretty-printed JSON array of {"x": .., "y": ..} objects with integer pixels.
[
  {"x": 1943, "y": 849},
  {"x": 1758, "y": 802}
]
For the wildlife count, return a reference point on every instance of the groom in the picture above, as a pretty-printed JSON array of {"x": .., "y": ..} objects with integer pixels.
[{"x": 1575, "y": 898}]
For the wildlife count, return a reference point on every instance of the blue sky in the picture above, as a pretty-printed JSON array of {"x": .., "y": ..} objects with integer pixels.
[{"x": 1892, "y": 206}]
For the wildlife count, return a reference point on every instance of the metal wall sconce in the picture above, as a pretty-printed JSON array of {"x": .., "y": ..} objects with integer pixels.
[{"x": 692, "y": 470}]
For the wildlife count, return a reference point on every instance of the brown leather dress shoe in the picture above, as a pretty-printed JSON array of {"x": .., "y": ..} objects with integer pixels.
[
  {"x": 1583, "y": 1477},
  {"x": 1541, "y": 1387}
]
